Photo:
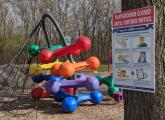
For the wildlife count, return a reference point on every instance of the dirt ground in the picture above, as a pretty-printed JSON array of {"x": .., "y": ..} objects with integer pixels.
[{"x": 47, "y": 109}]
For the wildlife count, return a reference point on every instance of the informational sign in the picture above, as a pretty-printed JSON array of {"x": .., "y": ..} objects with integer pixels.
[{"x": 133, "y": 49}]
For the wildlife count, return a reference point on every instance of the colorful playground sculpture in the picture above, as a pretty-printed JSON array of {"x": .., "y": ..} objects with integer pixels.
[
  {"x": 68, "y": 69},
  {"x": 70, "y": 102},
  {"x": 62, "y": 78},
  {"x": 37, "y": 69},
  {"x": 35, "y": 49},
  {"x": 83, "y": 43},
  {"x": 112, "y": 90},
  {"x": 90, "y": 83},
  {"x": 57, "y": 80},
  {"x": 39, "y": 92}
]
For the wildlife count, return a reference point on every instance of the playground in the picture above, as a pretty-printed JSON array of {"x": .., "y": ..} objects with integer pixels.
[
  {"x": 82, "y": 60},
  {"x": 36, "y": 75},
  {"x": 47, "y": 109},
  {"x": 61, "y": 82}
]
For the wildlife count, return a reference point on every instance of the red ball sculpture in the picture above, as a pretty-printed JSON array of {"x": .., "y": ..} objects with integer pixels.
[
  {"x": 39, "y": 92},
  {"x": 83, "y": 43}
]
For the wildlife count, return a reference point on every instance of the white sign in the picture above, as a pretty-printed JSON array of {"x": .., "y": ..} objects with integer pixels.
[{"x": 133, "y": 49}]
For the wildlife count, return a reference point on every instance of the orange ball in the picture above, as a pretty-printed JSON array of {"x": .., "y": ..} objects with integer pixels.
[
  {"x": 55, "y": 68},
  {"x": 93, "y": 62},
  {"x": 66, "y": 69}
]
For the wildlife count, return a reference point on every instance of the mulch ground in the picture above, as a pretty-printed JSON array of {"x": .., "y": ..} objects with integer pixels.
[{"x": 47, "y": 109}]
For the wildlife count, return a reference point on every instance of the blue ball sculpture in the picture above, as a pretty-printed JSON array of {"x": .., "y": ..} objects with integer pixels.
[{"x": 69, "y": 104}]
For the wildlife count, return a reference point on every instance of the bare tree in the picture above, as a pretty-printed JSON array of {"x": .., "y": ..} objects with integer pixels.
[
  {"x": 147, "y": 106},
  {"x": 76, "y": 17}
]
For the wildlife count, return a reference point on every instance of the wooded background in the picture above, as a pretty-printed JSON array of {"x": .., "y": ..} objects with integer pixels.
[{"x": 76, "y": 17}]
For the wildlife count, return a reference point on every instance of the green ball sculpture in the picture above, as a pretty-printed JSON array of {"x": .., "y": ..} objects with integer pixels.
[
  {"x": 34, "y": 49},
  {"x": 108, "y": 81}
]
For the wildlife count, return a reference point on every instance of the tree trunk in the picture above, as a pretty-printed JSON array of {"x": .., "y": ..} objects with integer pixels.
[{"x": 148, "y": 106}]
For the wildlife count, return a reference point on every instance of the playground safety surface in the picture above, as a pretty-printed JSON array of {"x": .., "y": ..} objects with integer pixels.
[{"x": 49, "y": 110}]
